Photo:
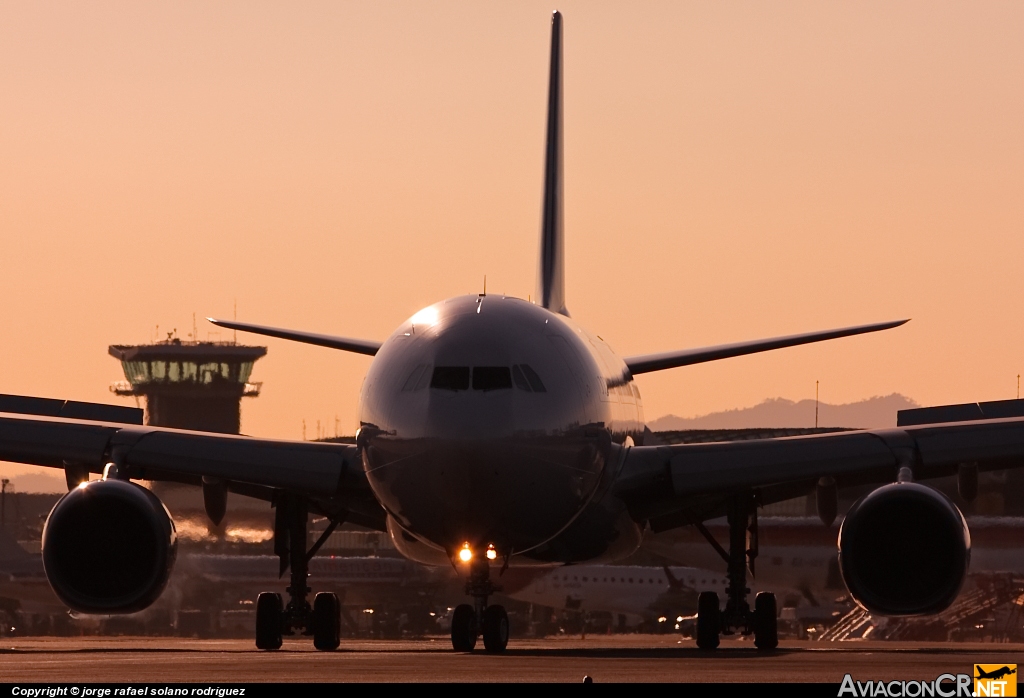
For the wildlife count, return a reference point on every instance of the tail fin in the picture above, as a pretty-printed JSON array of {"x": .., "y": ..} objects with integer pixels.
[{"x": 551, "y": 281}]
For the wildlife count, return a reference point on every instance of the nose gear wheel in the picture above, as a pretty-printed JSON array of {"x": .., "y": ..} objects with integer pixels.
[
  {"x": 464, "y": 629},
  {"x": 495, "y": 629},
  {"x": 469, "y": 622}
]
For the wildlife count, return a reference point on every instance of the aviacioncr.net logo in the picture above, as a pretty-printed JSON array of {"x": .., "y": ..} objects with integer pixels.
[{"x": 943, "y": 686}]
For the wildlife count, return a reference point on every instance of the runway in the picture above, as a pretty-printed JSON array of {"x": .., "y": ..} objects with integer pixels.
[{"x": 613, "y": 658}]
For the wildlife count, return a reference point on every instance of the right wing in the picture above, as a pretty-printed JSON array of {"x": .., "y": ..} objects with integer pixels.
[
  {"x": 676, "y": 485},
  {"x": 686, "y": 357},
  {"x": 358, "y": 346}
]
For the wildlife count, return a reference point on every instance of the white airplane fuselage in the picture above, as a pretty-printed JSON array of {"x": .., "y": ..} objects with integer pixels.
[{"x": 640, "y": 591}]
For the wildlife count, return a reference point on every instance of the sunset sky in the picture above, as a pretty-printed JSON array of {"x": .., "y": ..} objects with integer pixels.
[{"x": 732, "y": 171}]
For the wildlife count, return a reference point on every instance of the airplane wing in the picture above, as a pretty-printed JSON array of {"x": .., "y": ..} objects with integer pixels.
[
  {"x": 358, "y": 346},
  {"x": 686, "y": 483},
  {"x": 673, "y": 359},
  {"x": 325, "y": 472}
]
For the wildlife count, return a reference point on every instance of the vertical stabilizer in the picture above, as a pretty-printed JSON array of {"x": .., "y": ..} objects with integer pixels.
[{"x": 551, "y": 281}]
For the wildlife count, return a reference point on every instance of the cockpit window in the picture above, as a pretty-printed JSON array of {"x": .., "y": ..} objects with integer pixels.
[
  {"x": 531, "y": 376},
  {"x": 418, "y": 379},
  {"x": 520, "y": 379},
  {"x": 450, "y": 378},
  {"x": 491, "y": 378}
]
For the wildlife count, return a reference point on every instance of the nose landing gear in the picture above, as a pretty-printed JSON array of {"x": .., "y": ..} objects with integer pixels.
[
  {"x": 274, "y": 619},
  {"x": 762, "y": 621},
  {"x": 469, "y": 622}
]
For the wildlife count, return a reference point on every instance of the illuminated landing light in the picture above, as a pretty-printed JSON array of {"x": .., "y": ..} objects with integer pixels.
[
  {"x": 492, "y": 554},
  {"x": 465, "y": 554}
]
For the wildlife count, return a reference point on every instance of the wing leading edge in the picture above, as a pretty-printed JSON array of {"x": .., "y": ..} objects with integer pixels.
[
  {"x": 357, "y": 346},
  {"x": 672, "y": 359}
]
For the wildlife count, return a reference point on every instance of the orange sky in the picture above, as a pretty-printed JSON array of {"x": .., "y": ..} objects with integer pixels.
[{"x": 733, "y": 171}]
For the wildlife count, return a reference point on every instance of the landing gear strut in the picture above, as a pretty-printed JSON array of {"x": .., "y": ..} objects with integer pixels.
[
  {"x": 274, "y": 619},
  {"x": 469, "y": 622},
  {"x": 737, "y": 616}
]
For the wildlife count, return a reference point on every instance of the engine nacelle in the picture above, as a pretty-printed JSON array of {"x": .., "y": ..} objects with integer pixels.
[
  {"x": 108, "y": 547},
  {"x": 904, "y": 550}
]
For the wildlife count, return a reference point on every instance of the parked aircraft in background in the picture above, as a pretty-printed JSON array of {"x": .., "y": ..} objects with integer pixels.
[
  {"x": 23, "y": 582},
  {"x": 643, "y": 592},
  {"x": 497, "y": 432}
]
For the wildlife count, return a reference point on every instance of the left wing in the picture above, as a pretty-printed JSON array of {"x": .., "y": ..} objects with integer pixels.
[
  {"x": 358, "y": 346},
  {"x": 326, "y": 472},
  {"x": 685, "y": 357},
  {"x": 686, "y": 483}
]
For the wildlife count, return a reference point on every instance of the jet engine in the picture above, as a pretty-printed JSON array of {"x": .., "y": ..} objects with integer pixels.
[
  {"x": 108, "y": 547},
  {"x": 904, "y": 549}
]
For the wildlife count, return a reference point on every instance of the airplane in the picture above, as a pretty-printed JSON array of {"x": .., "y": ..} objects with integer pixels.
[
  {"x": 496, "y": 431},
  {"x": 640, "y": 591},
  {"x": 995, "y": 674}
]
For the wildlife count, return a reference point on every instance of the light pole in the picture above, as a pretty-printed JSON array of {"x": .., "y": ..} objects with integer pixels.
[{"x": 815, "y": 404}]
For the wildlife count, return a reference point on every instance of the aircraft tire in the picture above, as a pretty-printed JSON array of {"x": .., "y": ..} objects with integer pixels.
[
  {"x": 495, "y": 629},
  {"x": 766, "y": 622},
  {"x": 326, "y": 621},
  {"x": 464, "y": 628},
  {"x": 269, "y": 616},
  {"x": 709, "y": 620}
]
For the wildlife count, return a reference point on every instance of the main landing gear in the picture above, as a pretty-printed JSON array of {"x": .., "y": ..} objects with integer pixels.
[
  {"x": 471, "y": 621},
  {"x": 762, "y": 621},
  {"x": 274, "y": 619}
]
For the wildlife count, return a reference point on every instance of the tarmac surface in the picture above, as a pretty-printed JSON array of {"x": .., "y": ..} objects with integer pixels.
[{"x": 605, "y": 658}]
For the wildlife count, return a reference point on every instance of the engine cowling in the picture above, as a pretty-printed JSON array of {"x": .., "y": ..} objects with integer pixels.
[
  {"x": 108, "y": 547},
  {"x": 904, "y": 549}
]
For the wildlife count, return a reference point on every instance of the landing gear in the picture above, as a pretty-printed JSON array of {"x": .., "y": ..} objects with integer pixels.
[
  {"x": 326, "y": 621},
  {"x": 709, "y": 620},
  {"x": 468, "y": 622},
  {"x": 269, "y": 614},
  {"x": 464, "y": 630},
  {"x": 737, "y": 616},
  {"x": 274, "y": 619},
  {"x": 495, "y": 629},
  {"x": 766, "y": 628}
]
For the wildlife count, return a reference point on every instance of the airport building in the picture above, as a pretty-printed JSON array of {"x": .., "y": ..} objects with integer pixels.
[{"x": 189, "y": 385}]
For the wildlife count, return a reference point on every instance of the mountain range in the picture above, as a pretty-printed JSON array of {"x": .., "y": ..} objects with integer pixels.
[{"x": 875, "y": 412}]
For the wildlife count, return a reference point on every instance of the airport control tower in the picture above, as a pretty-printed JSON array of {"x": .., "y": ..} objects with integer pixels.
[{"x": 189, "y": 385}]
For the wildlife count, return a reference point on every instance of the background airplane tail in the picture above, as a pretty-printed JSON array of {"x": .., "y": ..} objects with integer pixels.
[{"x": 551, "y": 279}]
